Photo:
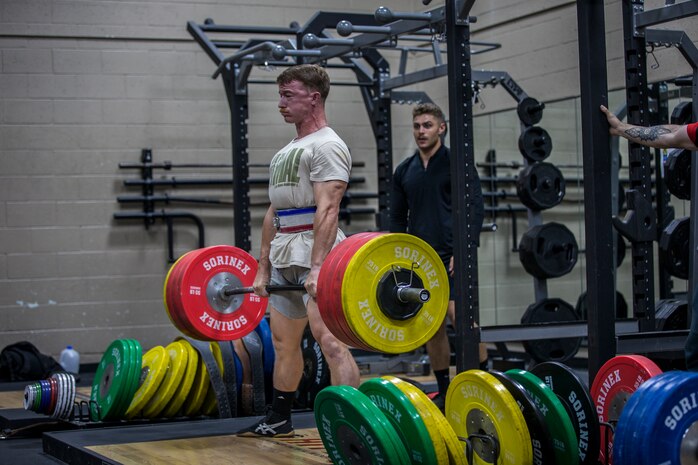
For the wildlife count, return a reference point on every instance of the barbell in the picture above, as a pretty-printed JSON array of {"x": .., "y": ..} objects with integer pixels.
[{"x": 385, "y": 292}]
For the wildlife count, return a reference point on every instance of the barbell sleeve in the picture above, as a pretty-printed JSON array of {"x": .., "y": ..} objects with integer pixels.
[{"x": 406, "y": 294}]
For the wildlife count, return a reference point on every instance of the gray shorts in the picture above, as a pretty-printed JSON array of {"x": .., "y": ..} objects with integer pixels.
[{"x": 291, "y": 304}]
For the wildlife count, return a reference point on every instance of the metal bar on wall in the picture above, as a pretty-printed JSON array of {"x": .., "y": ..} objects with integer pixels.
[{"x": 596, "y": 148}]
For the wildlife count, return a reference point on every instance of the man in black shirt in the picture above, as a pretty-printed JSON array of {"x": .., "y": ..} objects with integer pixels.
[{"x": 421, "y": 205}]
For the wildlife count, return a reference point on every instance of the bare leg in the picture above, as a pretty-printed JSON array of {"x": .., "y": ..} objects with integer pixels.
[
  {"x": 342, "y": 365},
  {"x": 438, "y": 348},
  {"x": 287, "y": 334}
]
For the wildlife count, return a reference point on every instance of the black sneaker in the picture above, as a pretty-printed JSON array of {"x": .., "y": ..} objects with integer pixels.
[
  {"x": 440, "y": 401},
  {"x": 271, "y": 426}
]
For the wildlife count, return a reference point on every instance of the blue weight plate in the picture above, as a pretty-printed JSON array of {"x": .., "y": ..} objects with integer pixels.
[
  {"x": 45, "y": 396},
  {"x": 646, "y": 414},
  {"x": 268, "y": 354},
  {"x": 626, "y": 448},
  {"x": 644, "y": 405},
  {"x": 666, "y": 427}
]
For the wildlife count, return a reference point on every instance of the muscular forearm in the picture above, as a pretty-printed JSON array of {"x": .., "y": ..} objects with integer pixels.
[
  {"x": 268, "y": 233},
  {"x": 661, "y": 137},
  {"x": 665, "y": 136},
  {"x": 324, "y": 233}
]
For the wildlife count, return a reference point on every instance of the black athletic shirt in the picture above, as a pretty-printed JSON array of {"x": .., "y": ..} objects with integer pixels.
[{"x": 421, "y": 201}]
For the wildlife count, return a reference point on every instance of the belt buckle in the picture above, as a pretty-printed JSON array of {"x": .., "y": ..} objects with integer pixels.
[{"x": 276, "y": 221}]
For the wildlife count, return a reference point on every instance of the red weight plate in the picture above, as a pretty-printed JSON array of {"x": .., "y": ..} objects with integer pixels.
[
  {"x": 172, "y": 294},
  {"x": 208, "y": 315},
  {"x": 326, "y": 300},
  {"x": 329, "y": 302},
  {"x": 54, "y": 396},
  {"x": 613, "y": 385},
  {"x": 353, "y": 243},
  {"x": 343, "y": 261}
]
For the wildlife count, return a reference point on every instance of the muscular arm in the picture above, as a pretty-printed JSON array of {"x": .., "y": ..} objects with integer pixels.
[
  {"x": 665, "y": 136},
  {"x": 264, "y": 269},
  {"x": 328, "y": 195}
]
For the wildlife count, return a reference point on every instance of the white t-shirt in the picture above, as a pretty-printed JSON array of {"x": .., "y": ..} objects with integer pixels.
[{"x": 317, "y": 157}]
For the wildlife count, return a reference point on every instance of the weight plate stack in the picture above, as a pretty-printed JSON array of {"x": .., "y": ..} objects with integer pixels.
[
  {"x": 354, "y": 430},
  {"x": 404, "y": 417}
]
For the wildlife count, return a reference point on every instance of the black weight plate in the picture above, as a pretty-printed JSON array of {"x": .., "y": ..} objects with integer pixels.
[
  {"x": 683, "y": 113},
  {"x": 551, "y": 311},
  {"x": 677, "y": 173},
  {"x": 574, "y": 395},
  {"x": 621, "y": 306},
  {"x": 316, "y": 372},
  {"x": 530, "y": 111},
  {"x": 548, "y": 250},
  {"x": 673, "y": 247},
  {"x": 540, "y": 186},
  {"x": 535, "y": 144},
  {"x": 671, "y": 314},
  {"x": 541, "y": 442}
]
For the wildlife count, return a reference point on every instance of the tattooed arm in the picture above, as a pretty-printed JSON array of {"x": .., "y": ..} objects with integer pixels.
[{"x": 665, "y": 136}]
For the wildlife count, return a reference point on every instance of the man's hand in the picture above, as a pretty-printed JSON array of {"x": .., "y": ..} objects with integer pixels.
[
  {"x": 311, "y": 281},
  {"x": 261, "y": 281},
  {"x": 617, "y": 127}
]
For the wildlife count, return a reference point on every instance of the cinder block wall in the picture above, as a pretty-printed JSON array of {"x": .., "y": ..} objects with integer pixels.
[{"x": 85, "y": 86}]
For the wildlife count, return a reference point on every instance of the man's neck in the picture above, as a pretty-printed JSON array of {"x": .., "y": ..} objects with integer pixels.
[
  {"x": 311, "y": 125},
  {"x": 427, "y": 154}
]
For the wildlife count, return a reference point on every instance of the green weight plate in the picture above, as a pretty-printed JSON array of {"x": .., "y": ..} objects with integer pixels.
[
  {"x": 574, "y": 396},
  {"x": 110, "y": 381},
  {"x": 134, "y": 371},
  {"x": 404, "y": 417},
  {"x": 355, "y": 431},
  {"x": 556, "y": 417}
]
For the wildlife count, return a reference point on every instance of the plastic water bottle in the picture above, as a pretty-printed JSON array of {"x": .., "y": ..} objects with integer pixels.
[{"x": 70, "y": 360}]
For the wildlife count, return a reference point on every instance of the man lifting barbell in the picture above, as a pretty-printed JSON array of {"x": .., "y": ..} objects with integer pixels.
[{"x": 308, "y": 178}]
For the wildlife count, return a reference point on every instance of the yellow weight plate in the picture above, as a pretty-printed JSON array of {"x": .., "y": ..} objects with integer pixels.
[
  {"x": 478, "y": 403},
  {"x": 372, "y": 268},
  {"x": 198, "y": 391},
  {"x": 186, "y": 382},
  {"x": 153, "y": 370},
  {"x": 433, "y": 422},
  {"x": 210, "y": 402},
  {"x": 178, "y": 354}
]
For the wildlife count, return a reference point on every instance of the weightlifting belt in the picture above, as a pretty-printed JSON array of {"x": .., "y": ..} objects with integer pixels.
[{"x": 294, "y": 220}]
